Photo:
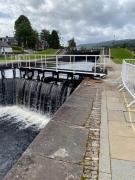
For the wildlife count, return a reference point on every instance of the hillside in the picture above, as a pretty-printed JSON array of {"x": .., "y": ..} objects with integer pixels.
[
  {"x": 117, "y": 43},
  {"x": 118, "y": 54}
]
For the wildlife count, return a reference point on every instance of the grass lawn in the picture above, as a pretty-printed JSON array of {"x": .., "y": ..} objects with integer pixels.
[
  {"x": 118, "y": 54},
  {"x": 36, "y": 54},
  {"x": 47, "y": 51},
  {"x": 17, "y": 49}
]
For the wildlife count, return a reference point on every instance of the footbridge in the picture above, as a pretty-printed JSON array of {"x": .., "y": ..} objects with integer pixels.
[{"x": 70, "y": 65}]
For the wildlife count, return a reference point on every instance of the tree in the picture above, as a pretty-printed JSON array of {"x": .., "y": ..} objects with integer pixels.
[
  {"x": 45, "y": 36},
  {"x": 54, "y": 40},
  {"x": 72, "y": 44},
  {"x": 23, "y": 31},
  {"x": 33, "y": 40}
]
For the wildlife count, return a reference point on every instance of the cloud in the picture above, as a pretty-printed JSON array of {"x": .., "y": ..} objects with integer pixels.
[
  {"x": 87, "y": 21},
  {"x": 4, "y": 15}
]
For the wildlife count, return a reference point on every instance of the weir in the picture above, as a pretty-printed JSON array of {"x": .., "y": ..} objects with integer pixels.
[
  {"x": 26, "y": 106},
  {"x": 35, "y": 95}
]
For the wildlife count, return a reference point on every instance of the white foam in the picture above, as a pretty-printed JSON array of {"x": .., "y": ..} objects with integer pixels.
[{"x": 24, "y": 117}]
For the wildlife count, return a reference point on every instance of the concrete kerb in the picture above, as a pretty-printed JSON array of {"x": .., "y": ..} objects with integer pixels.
[{"x": 104, "y": 155}]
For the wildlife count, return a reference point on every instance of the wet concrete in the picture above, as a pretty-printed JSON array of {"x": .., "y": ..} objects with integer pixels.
[{"x": 57, "y": 153}]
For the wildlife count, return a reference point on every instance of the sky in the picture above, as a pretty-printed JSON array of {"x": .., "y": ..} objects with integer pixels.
[{"x": 88, "y": 21}]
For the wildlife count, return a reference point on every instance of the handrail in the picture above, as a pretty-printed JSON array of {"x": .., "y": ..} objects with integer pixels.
[
  {"x": 128, "y": 78},
  {"x": 88, "y": 63}
]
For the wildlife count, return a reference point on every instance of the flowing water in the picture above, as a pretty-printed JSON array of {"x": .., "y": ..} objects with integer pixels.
[
  {"x": 18, "y": 128},
  {"x": 25, "y": 108}
]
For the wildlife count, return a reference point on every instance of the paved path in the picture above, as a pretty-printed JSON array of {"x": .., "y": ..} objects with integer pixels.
[{"x": 117, "y": 135}]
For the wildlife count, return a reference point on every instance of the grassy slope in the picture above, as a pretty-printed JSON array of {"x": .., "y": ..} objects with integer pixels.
[
  {"x": 17, "y": 49},
  {"x": 118, "y": 54},
  {"x": 47, "y": 51}
]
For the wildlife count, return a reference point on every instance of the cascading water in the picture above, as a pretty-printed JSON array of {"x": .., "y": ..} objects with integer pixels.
[
  {"x": 38, "y": 96},
  {"x": 25, "y": 108}
]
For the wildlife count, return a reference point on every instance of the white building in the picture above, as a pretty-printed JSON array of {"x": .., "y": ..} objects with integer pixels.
[{"x": 5, "y": 48}]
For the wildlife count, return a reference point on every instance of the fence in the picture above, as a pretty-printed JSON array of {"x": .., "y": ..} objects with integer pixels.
[
  {"x": 128, "y": 78},
  {"x": 83, "y": 63}
]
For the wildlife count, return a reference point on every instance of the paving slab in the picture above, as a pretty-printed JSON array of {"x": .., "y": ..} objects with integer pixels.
[
  {"x": 115, "y": 106},
  {"x": 123, "y": 170},
  {"x": 34, "y": 167},
  {"x": 85, "y": 91},
  {"x": 128, "y": 99},
  {"x": 62, "y": 142},
  {"x": 116, "y": 116},
  {"x": 118, "y": 128},
  {"x": 130, "y": 118},
  {"x": 113, "y": 99},
  {"x": 111, "y": 93},
  {"x": 78, "y": 101},
  {"x": 127, "y": 95},
  {"x": 73, "y": 115},
  {"x": 122, "y": 148}
]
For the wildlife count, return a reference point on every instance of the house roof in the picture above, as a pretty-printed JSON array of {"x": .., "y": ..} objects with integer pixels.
[
  {"x": 8, "y": 39},
  {"x": 4, "y": 44}
]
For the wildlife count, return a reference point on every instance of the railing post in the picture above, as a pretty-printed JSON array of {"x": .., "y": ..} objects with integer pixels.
[
  {"x": 35, "y": 62},
  {"x": 45, "y": 62},
  {"x": 6, "y": 59},
  {"x": 17, "y": 60},
  {"x": 70, "y": 62},
  {"x": 95, "y": 65},
  {"x": 86, "y": 58},
  {"x": 74, "y": 58},
  {"x": 74, "y": 64},
  {"x": 29, "y": 61},
  {"x": 26, "y": 60},
  {"x": 104, "y": 63},
  {"x": 56, "y": 63},
  {"x": 126, "y": 72},
  {"x": 12, "y": 61},
  {"x": 20, "y": 59},
  {"x": 42, "y": 62},
  {"x": 109, "y": 55},
  {"x": 103, "y": 51}
]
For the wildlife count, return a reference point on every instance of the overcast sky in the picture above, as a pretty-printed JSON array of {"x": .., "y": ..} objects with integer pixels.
[{"x": 86, "y": 20}]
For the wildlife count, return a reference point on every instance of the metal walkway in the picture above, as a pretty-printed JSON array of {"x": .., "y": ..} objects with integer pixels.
[{"x": 67, "y": 64}]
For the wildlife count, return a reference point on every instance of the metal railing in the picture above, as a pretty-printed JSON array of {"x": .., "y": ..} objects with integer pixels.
[
  {"x": 128, "y": 78},
  {"x": 73, "y": 63}
]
